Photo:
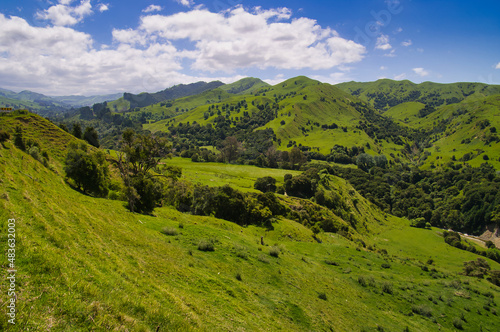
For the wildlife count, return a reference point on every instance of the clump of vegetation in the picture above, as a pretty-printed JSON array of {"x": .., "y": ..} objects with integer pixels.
[
  {"x": 206, "y": 245},
  {"x": 274, "y": 251},
  {"x": 457, "y": 323},
  {"x": 387, "y": 287},
  {"x": 322, "y": 296},
  {"x": 88, "y": 170},
  {"x": 478, "y": 268},
  {"x": 421, "y": 310},
  {"x": 170, "y": 231},
  {"x": 4, "y": 136}
]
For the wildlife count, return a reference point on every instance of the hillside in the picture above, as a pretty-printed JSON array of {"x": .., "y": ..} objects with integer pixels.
[
  {"x": 302, "y": 112},
  {"x": 85, "y": 263},
  {"x": 78, "y": 101},
  {"x": 384, "y": 94},
  {"x": 31, "y": 101}
]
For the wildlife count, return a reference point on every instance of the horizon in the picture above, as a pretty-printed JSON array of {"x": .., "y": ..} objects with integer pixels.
[
  {"x": 278, "y": 83},
  {"x": 93, "y": 47}
]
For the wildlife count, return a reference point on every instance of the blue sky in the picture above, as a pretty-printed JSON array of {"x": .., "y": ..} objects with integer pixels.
[{"x": 62, "y": 47}]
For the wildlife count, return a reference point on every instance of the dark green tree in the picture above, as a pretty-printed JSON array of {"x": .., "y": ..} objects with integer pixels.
[
  {"x": 77, "y": 130},
  {"x": 91, "y": 136},
  {"x": 89, "y": 170},
  {"x": 265, "y": 184},
  {"x": 139, "y": 155}
]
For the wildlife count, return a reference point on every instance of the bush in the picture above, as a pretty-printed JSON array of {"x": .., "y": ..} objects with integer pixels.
[
  {"x": 422, "y": 310},
  {"x": 170, "y": 231},
  {"x": 457, "y": 322},
  {"x": 386, "y": 265},
  {"x": 274, "y": 251},
  {"x": 206, "y": 245},
  {"x": 34, "y": 152},
  {"x": 387, "y": 287},
  {"x": 265, "y": 184},
  {"x": 322, "y": 296},
  {"x": 4, "y": 136}
]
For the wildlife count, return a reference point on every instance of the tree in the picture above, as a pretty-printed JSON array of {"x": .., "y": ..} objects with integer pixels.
[
  {"x": 77, "y": 130},
  {"x": 265, "y": 184},
  {"x": 89, "y": 171},
  {"x": 231, "y": 149},
  {"x": 91, "y": 136},
  {"x": 365, "y": 162},
  {"x": 138, "y": 156},
  {"x": 297, "y": 157}
]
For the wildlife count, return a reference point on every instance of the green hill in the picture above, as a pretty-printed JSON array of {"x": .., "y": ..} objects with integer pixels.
[
  {"x": 85, "y": 263},
  {"x": 384, "y": 94},
  {"x": 302, "y": 110}
]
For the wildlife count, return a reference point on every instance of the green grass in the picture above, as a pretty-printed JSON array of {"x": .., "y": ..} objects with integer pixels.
[
  {"x": 215, "y": 174},
  {"x": 87, "y": 264}
]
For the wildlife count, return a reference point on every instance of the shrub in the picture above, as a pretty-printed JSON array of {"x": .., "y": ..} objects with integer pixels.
[
  {"x": 206, "y": 245},
  {"x": 322, "y": 296},
  {"x": 362, "y": 281},
  {"x": 238, "y": 276},
  {"x": 34, "y": 152},
  {"x": 265, "y": 184},
  {"x": 274, "y": 251},
  {"x": 387, "y": 287},
  {"x": 170, "y": 231},
  {"x": 386, "y": 265},
  {"x": 422, "y": 310},
  {"x": 457, "y": 322},
  {"x": 329, "y": 262},
  {"x": 4, "y": 136}
]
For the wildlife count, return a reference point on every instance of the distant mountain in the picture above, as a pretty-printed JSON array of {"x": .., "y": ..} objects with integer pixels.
[
  {"x": 177, "y": 91},
  {"x": 78, "y": 101},
  {"x": 384, "y": 94},
  {"x": 32, "y": 101}
]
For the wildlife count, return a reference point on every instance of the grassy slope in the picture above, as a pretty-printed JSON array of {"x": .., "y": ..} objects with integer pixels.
[
  {"x": 461, "y": 127},
  {"x": 334, "y": 108},
  {"x": 85, "y": 263},
  {"x": 428, "y": 90}
]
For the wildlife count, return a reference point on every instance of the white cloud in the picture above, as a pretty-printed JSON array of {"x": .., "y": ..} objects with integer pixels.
[
  {"x": 421, "y": 72},
  {"x": 152, "y": 8},
  {"x": 103, "y": 7},
  {"x": 59, "y": 60},
  {"x": 398, "y": 30},
  {"x": 497, "y": 66},
  {"x": 65, "y": 15},
  {"x": 391, "y": 54},
  {"x": 407, "y": 43},
  {"x": 420, "y": 50},
  {"x": 400, "y": 77},
  {"x": 383, "y": 68},
  {"x": 187, "y": 3},
  {"x": 242, "y": 39},
  {"x": 383, "y": 43}
]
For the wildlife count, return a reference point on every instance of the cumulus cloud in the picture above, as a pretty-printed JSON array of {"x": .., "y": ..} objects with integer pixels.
[
  {"x": 421, "y": 72},
  {"x": 165, "y": 50},
  {"x": 383, "y": 43},
  {"x": 103, "y": 7},
  {"x": 242, "y": 39},
  {"x": 63, "y": 14},
  {"x": 497, "y": 66},
  {"x": 152, "y": 8},
  {"x": 187, "y": 3}
]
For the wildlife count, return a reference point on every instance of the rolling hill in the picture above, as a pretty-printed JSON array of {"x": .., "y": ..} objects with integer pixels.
[
  {"x": 86, "y": 263},
  {"x": 384, "y": 94}
]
